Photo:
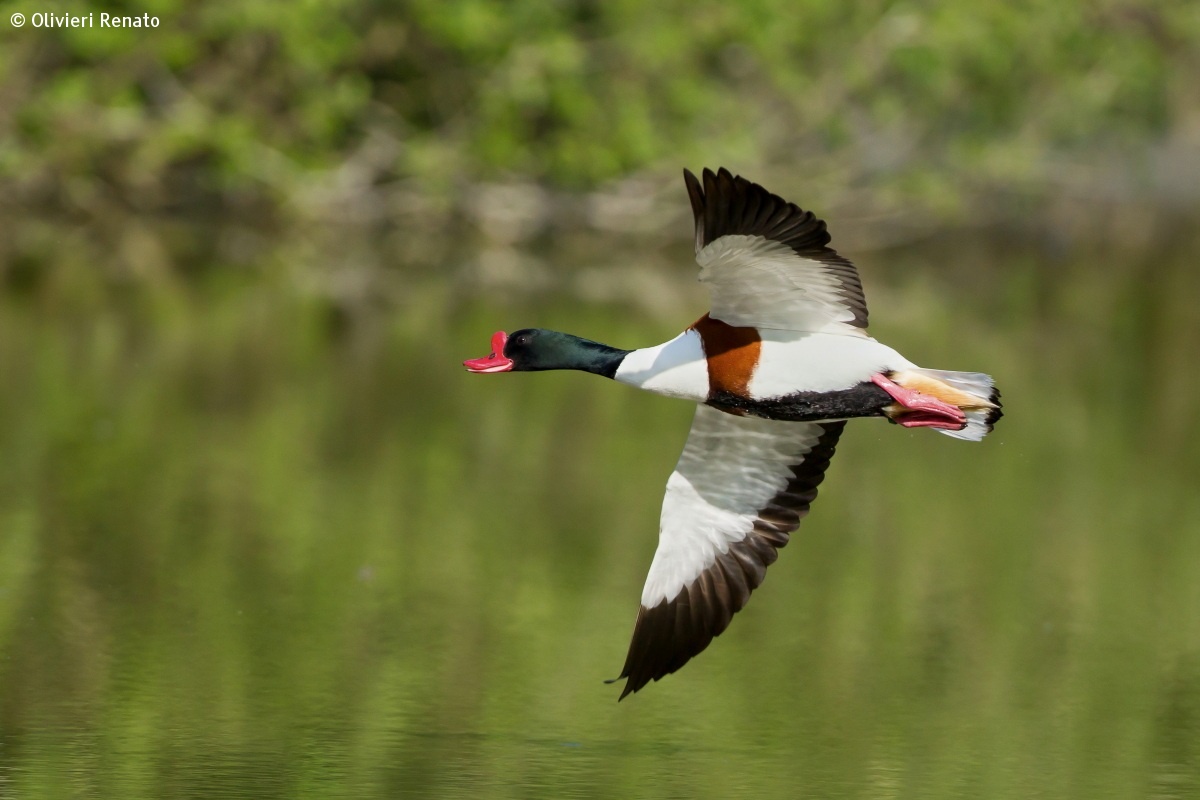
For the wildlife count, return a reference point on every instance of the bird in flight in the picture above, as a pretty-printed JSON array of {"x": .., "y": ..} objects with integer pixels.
[{"x": 776, "y": 367}]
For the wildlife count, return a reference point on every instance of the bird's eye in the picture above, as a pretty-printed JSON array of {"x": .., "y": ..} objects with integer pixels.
[{"x": 523, "y": 339}]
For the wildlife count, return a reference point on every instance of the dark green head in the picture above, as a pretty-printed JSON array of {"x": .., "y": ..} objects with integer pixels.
[{"x": 533, "y": 349}]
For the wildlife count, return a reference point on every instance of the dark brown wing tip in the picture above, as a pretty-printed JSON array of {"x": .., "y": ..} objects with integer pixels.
[
  {"x": 730, "y": 203},
  {"x": 674, "y": 632},
  {"x": 696, "y": 195}
]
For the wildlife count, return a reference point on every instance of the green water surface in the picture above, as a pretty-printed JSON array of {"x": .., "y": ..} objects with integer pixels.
[{"x": 255, "y": 546}]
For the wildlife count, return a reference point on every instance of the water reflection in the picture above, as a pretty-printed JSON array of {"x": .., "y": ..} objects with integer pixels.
[{"x": 247, "y": 552}]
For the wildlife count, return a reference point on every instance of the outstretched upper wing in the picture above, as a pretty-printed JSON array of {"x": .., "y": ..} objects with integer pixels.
[
  {"x": 740, "y": 488},
  {"x": 766, "y": 261}
]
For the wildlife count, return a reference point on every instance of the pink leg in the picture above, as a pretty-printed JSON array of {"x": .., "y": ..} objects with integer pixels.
[{"x": 924, "y": 411}]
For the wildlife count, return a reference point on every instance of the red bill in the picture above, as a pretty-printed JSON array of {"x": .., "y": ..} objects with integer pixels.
[{"x": 494, "y": 361}]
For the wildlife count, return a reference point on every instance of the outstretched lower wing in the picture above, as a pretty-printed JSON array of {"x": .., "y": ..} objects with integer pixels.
[
  {"x": 766, "y": 262},
  {"x": 740, "y": 488}
]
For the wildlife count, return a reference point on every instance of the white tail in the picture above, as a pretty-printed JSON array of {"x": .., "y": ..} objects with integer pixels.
[{"x": 974, "y": 392}]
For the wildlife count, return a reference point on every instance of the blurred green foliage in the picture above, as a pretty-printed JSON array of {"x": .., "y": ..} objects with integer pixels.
[{"x": 228, "y": 103}]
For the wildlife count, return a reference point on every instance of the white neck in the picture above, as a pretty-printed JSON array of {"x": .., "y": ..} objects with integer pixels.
[{"x": 676, "y": 368}]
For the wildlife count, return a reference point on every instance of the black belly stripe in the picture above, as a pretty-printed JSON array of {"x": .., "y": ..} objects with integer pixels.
[{"x": 863, "y": 400}]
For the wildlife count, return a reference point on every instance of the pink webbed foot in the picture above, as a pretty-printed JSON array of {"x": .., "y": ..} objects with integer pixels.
[{"x": 922, "y": 410}]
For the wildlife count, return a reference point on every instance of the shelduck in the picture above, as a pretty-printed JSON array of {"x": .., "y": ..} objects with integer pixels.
[{"x": 776, "y": 367}]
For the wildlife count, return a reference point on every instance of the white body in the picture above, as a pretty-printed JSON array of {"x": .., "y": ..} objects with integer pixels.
[
  {"x": 789, "y": 362},
  {"x": 794, "y": 361}
]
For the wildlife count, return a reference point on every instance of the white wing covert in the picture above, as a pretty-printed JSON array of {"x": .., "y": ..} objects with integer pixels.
[
  {"x": 740, "y": 488},
  {"x": 766, "y": 262}
]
